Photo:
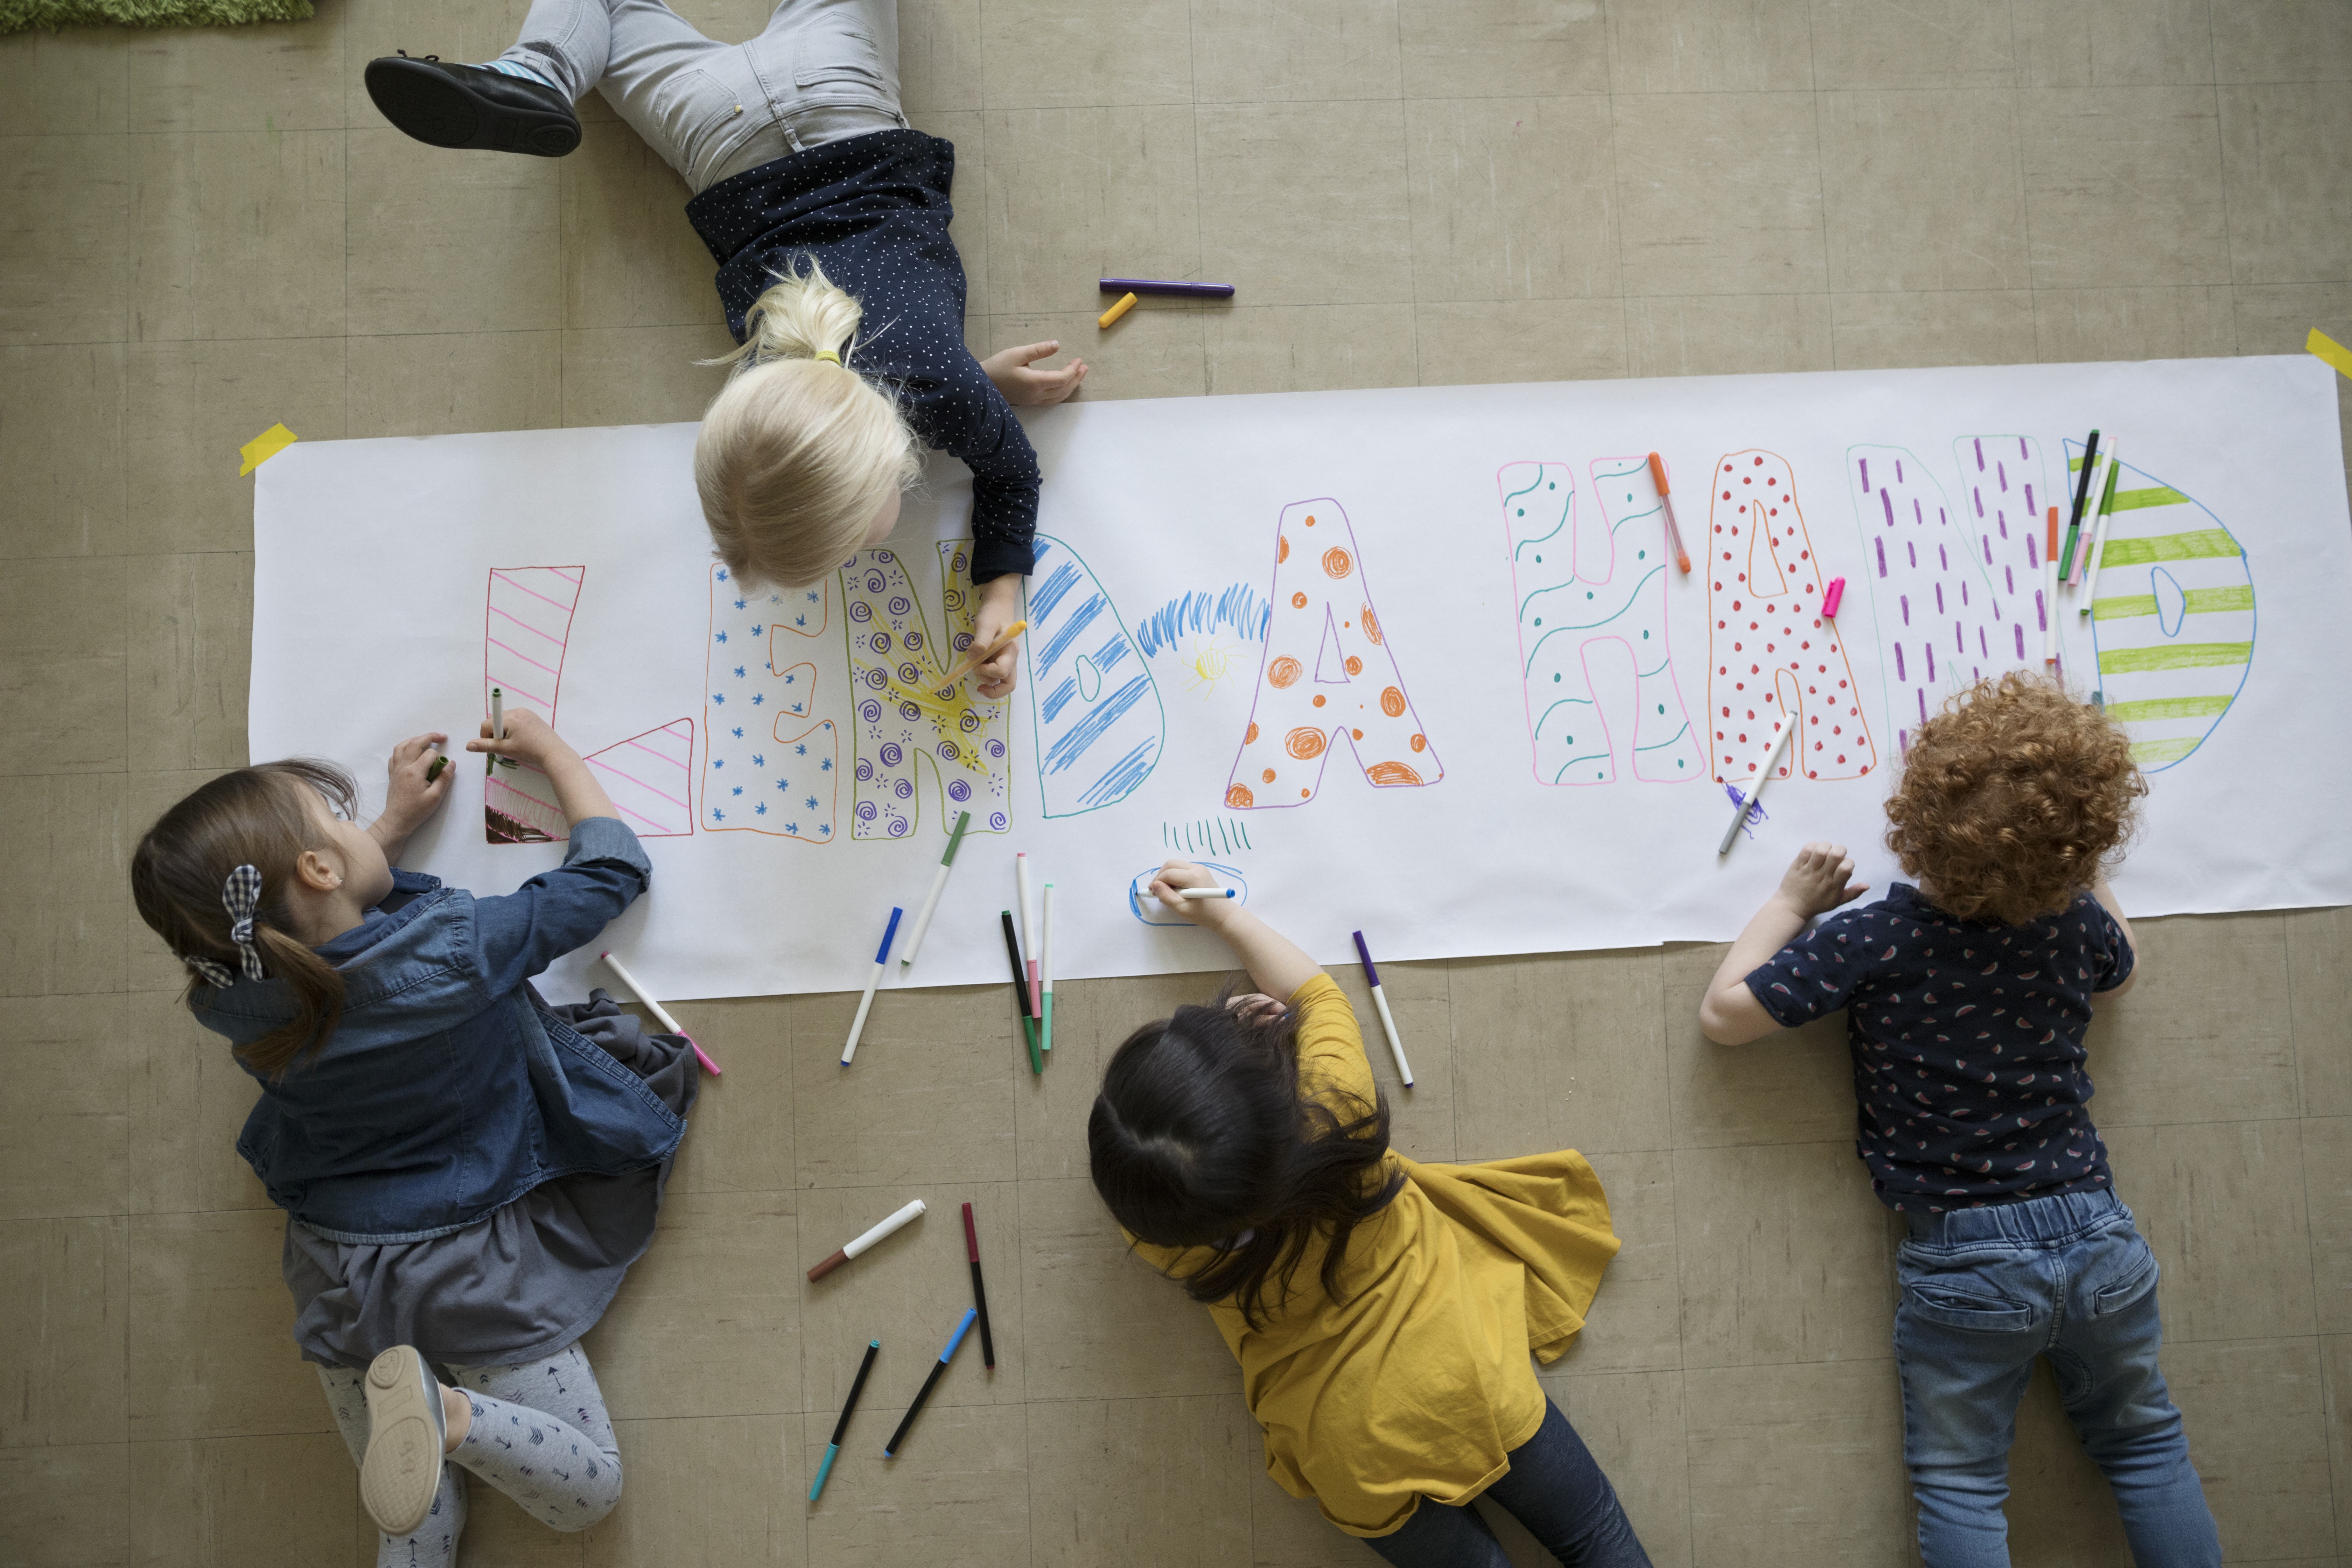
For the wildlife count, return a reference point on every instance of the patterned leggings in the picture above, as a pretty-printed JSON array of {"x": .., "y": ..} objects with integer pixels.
[{"x": 539, "y": 1435}]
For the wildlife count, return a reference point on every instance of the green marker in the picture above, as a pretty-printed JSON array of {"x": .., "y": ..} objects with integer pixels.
[{"x": 939, "y": 886}]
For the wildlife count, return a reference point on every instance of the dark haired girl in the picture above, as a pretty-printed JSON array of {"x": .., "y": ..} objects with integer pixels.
[
  {"x": 467, "y": 1173},
  {"x": 1381, "y": 1310}
]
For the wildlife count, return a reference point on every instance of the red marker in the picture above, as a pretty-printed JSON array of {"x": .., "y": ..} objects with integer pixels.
[
  {"x": 1831, "y": 597},
  {"x": 1658, "y": 477}
]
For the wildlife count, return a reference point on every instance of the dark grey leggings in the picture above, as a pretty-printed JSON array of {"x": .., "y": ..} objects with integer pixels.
[{"x": 1555, "y": 1489}]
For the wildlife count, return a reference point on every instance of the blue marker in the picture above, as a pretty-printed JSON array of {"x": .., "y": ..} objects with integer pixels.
[
  {"x": 881, "y": 957},
  {"x": 939, "y": 1367},
  {"x": 841, "y": 1426}
]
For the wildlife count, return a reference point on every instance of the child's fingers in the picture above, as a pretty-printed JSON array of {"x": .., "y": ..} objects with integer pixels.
[{"x": 1030, "y": 353}]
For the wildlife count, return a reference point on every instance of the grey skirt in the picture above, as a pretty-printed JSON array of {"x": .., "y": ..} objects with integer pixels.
[{"x": 519, "y": 1284}]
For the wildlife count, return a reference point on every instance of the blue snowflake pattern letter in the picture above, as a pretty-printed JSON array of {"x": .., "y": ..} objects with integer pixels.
[{"x": 751, "y": 748}]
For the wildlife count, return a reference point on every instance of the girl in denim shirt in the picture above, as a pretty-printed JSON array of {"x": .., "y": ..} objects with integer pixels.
[{"x": 466, "y": 1171}]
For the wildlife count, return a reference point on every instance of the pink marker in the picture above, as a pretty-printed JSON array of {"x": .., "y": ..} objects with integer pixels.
[
  {"x": 660, "y": 1012},
  {"x": 1831, "y": 597}
]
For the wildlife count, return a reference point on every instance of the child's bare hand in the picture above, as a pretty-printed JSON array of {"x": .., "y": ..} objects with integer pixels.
[
  {"x": 1025, "y": 387},
  {"x": 410, "y": 797},
  {"x": 529, "y": 740},
  {"x": 1256, "y": 1007},
  {"x": 1176, "y": 876},
  {"x": 1819, "y": 880}
]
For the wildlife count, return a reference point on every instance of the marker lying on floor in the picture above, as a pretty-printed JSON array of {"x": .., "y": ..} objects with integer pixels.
[
  {"x": 1167, "y": 286},
  {"x": 844, "y": 1253},
  {"x": 964, "y": 1325},
  {"x": 865, "y": 1003},
  {"x": 660, "y": 1012},
  {"x": 979, "y": 1289},
  {"x": 1021, "y": 993},
  {"x": 841, "y": 1428},
  {"x": 1380, "y": 1000}
]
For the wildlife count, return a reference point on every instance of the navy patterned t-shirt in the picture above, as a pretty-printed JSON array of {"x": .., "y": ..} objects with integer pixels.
[{"x": 1967, "y": 1043}]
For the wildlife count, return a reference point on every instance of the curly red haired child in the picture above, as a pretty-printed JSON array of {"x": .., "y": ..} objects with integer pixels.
[{"x": 1966, "y": 998}]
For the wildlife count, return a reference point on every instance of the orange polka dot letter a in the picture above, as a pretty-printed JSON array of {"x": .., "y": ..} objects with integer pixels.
[
  {"x": 1329, "y": 676},
  {"x": 1772, "y": 651}
]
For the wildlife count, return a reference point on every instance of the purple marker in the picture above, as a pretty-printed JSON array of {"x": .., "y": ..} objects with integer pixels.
[
  {"x": 1380, "y": 1000},
  {"x": 1160, "y": 286}
]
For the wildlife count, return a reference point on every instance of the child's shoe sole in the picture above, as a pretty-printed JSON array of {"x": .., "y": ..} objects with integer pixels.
[
  {"x": 447, "y": 105},
  {"x": 402, "y": 1468}
]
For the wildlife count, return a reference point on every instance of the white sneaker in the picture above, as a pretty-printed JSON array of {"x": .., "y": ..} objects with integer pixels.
[{"x": 407, "y": 1431}]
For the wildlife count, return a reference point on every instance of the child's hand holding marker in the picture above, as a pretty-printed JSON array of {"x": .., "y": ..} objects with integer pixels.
[
  {"x": 530, "y": 741},
  {"x": 415, "y": 790},
  {"x": 1000, "y": 611},
  {"x": 1178, "y": 876}
]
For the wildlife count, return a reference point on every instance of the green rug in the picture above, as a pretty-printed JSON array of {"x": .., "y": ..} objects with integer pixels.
[{"x": 21, "y": 15}]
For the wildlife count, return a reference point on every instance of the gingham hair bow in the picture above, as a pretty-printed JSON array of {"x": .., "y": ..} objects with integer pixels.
[{"x": 240, "y": 896}]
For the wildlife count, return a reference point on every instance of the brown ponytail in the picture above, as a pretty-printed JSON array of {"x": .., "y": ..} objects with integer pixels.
[{"x": 256, "y": 816}]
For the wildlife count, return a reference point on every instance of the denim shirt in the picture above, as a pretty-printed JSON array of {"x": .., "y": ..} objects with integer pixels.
[{"x": 447, "y": 1089}]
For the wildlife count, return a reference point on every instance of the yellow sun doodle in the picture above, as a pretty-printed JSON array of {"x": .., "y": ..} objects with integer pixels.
[{"x": 1207, "y": 666}]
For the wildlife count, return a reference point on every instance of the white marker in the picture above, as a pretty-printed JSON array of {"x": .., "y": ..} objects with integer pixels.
[
  {"x": 844, "y": 1253},
  {"x": 1763, "y": 772},
  {"x": 1205, "y": 893},
  {"x": 660, "y": 1012},
  {"x": 1045, "y": 963},
  {"x": 1027, "y": 902},
  {"x": 939, "y": 886},
  {"x": 1388, "y": 1019},
  {"x": 865, "y": 1003},
  {"x": 2098, "y": 540}
]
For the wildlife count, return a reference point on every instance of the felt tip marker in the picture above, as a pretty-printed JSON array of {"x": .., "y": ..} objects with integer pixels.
[
  {"x": 1045, "y": 1020},
  {"x": 1207, "y": 893},
  {"x": 939, "y": 1367},
  {"x": 841, "y": 1428},
  {"x": 843, "y": 1254},
  {"x": 1388, "y": 1019},
  {"x": 1028, "y": 906},
  {"x": 2084, "y": 495},
  {"x": 1021, "y": 993},
  {"x": 497, "y": 728},
  {"x": 1166, "y": 286},
  {"x": 932, "y": 899},
  {"x": 979, "y": 1289},
  {"x": 865, "y": 1003},
  {"x": 660, "y": 1012},
  {"x": 2099, "y": 539},
  {"x": 2050, "y": 592},
  {"x": 1763, "y": 774},
  {"x": 1673, "y": 533}
]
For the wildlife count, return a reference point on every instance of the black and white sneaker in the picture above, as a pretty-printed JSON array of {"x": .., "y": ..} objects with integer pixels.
[{"x": 446, "y": 105}]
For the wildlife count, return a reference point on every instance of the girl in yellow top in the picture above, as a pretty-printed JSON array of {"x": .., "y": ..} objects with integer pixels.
[{"x": 1382, "y": 1310}]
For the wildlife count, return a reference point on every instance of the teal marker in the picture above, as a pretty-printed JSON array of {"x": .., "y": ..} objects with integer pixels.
[{"x": 841, "y": 1428}]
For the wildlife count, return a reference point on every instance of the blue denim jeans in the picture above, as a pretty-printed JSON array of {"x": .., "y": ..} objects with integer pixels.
[
  {"x": 1555, "y": 1489},
  {"x": 1985, "y": 1290}
]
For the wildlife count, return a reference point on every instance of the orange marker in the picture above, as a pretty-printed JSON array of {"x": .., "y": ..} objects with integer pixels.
[
  {"x": 1674, "y": 534},
  {"x": 2049, "y": 594}
]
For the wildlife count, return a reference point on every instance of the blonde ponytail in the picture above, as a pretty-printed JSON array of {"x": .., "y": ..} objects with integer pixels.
[{"x": 796, "y": 455}]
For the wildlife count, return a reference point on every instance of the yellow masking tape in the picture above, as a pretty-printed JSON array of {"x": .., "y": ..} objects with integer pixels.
[
  {"x": 2328, "y": 349},
  {"x": 263, "y": 446}
]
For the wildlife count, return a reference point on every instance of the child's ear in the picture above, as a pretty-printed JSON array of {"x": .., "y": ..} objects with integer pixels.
[{"x": 312, "y": 871}]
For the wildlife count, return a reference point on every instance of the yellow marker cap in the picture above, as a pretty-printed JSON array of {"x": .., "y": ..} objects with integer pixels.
[{"x": 1126, "y": 303}]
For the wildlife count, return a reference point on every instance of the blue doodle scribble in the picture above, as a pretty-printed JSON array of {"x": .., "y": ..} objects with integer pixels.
[
  {"x": 1240, "y": 609},
  {"x": 1099, "y": 740}
]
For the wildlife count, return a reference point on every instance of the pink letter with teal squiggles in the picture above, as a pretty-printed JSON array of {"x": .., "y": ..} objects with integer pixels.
[
  {"x": 1595, "y": 580},
  {"x": 894, "y": 670}
]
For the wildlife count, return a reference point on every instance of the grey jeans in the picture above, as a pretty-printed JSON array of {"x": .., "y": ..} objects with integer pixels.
[{"x": 820, "y": 70}]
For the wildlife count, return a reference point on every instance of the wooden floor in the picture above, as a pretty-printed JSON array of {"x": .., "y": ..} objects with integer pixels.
[{"x": 204, "y": 233}]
